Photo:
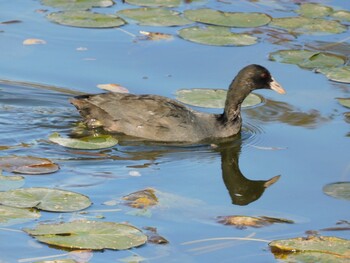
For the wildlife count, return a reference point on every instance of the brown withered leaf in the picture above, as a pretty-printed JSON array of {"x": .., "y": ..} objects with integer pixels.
[
  {"x": 154, "y": 237},
  {"x": 141, "y": 199},
  {"x": 27, "y": 165},
  {"x": 155, "y": 35},
  {"x": 242, "y": 222},
  {"x": 112, "y": 87}
]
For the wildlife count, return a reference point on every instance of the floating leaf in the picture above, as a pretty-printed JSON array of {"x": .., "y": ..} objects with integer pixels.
[
  {"x": 47, "y": 199},
  {"x": 313, "y": 10},
  {"x": 337, "y": 247},
  {"x": 113, "y": 88},
  {"x": 27, "y": 165},
  {"x": 155, "y": 16},
  {"x": 229, "y": 19},
  {"x": 86, "y": 143},
  {"x": 154, "y": 237},
  {"x": 89, "y": 235},
  {"x": 341, "y": 15},
  {"x": 217, "y": 36},
  {"x": 212, "y": 98},
  {"x": 154, "y": 3},
  {"x": 141, "y": 199},
  {"x": 156, "y": 35},
  {"x": 85, "y": 19},
  {"x": 77, "y": 4},
  {"x": 249, "y": 221},
  {"x": 307, "y": 59},
  {"x": 340, "y": 190},
  {"x": 305, "y": 25},
  {"x": 341, "y": 74},
  {"x": 12, "y": 215},
  {"x": 34, "y": 41},
  {"x": 10, "y": 182}
]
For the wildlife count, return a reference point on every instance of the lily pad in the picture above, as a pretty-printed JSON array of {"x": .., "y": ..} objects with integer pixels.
[
  {"x": 249, "y": 221},
  {"x": 155, "y": 16},
  {"x": 216, "y": 36},
  {"x": 313, "y": 10},
  {"x": 341, "y": 74},
  {"x": 46, "y": 199},
  {"x": 340, "y": 190},
  {"x": 229, "y": 19},
  {"x": 341, "y": 15},
  {"x": 85, "y": 19},
  {"x": 334, "y": 246},
  {"x": 12, "y": 215},
  {"x": 307, "y": 59},
  {"x": 77, "y": 4},
  {"x": 212, "y": 98},
  {"x": 305, "y": 25},
  {"x": 154, "y": 3},
  {"x": 27, "y": 165},
  {"x": 141, "y": 199},
  {"x": 89, "y": 235},
  {"x": 10, "y": 182},
  {"x": 86, "y": 143}
]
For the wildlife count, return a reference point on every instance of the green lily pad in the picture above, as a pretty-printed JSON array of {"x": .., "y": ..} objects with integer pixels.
[
  {"x": 12, "y": 215},
  {"x": 27, "y": 165},
  {"x": 340, "y": 190},
  {"x": 155, "y": 3},
  {"x": 216, "y": 36},
  {"x": 341, "y": 74},
  {"x": 334, "y": 246},
  {"x": 10, "y": 182},
  {"x": 155, "y": 16},
  {"x": 46, "y": 199},
  {"x": 313, "y": 10},
  {"x": 212, "y": 98},
  {"x": 219, "y": 18},
  {"x": 345, "y": 102},
  {"x": 85, "y": 143},
  {"x": 77, "y": 4},
  {"x": 92, "y": 235},
  {"x": 305, "y": 25},
  {"x": 307, "y": 59},
  {"x": 341, "y": 15},
  {"x": 85, "y": 19}
]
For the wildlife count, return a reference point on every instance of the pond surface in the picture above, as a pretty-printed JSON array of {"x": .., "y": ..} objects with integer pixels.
[{"x": 301, "y": 136}]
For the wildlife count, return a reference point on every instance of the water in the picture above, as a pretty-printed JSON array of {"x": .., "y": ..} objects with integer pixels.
[{"x": 301, "y": 136}]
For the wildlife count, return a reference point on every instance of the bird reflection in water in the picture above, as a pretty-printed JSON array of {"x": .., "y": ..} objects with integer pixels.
[{"x": 242, "y": 190}]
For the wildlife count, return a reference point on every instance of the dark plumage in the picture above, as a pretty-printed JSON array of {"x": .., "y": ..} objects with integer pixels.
[{"x": 157, "y": 118}]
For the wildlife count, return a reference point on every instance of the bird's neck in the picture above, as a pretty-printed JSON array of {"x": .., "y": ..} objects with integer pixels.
[{"x": 237, "y": 92}]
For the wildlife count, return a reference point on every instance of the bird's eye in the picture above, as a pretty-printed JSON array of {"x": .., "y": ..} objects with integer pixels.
[{"x": 264, "y": 75}]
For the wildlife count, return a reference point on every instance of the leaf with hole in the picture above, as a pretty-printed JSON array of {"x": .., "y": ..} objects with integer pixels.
[
  {"x": 305, "y": 25},
  {"x": 229, "y": 19},
  {"x": 216, "y": 36},
  {"x": 154, "y": 16},
  {"x": 12, "y": 215},
  {"x": 86, "y": 143},
  {"x": 92, "y": 235},
  {"x": 77, "y": 4},
  {"x": 340, "y": 190},
  {"x": 27, "y": 165},
  {"x": 47, "y": 199},
  {"x": 85, "y": 19},
  {"x": 212, "y": 98}
]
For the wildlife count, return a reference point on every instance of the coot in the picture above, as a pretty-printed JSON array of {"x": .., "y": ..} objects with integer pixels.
[{"x": 158, "y": 118}]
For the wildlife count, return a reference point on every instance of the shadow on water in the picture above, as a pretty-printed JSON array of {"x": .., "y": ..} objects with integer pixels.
[{"x": 242, "y": 190}]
